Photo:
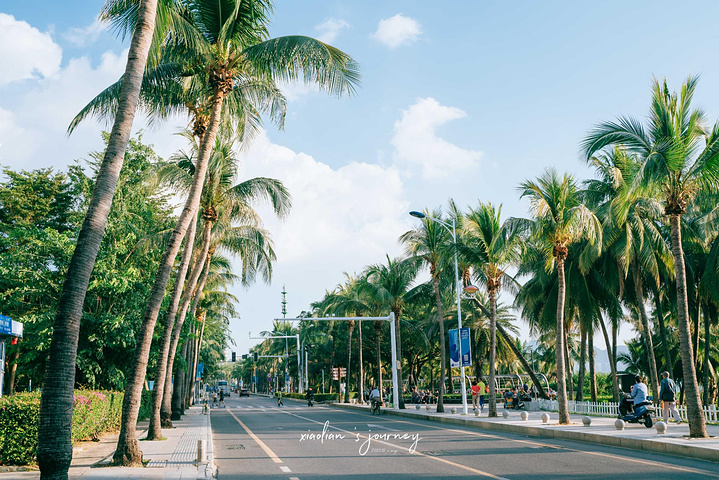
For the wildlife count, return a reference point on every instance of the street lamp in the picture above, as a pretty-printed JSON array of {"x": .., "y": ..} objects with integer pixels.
[{"x": 453, "y": 231}]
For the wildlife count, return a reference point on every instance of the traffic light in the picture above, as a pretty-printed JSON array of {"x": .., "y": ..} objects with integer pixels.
[
  {"x": 244, "y": 356},
  {"x": 255, "y": 356},
  {"x": 234, "y": 356}
]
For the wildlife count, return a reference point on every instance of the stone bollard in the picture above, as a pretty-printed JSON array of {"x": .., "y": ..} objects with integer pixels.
[
  {"x": 661, "y": 427},
  {"x": 427, "y": 408},
  {"x": 505, "y": 414},
  {"x": 417, "y": 407},
  {"x": 453, "y": 410},
  {"x": 476, "y": 412},
  {"x": 201, "y": 444},
  {"x": 524, "y": 416},
  {"x": 587, "y": 421},
  {"x": 545, "y": 418},
  {"x": 619, "y": 424}
]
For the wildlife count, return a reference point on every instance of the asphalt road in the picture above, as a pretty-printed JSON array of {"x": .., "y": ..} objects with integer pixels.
[{"x": 254, "y": 439}]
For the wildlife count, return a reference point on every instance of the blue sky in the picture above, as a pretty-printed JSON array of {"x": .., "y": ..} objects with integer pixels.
[{"x": 458, "y": 99}]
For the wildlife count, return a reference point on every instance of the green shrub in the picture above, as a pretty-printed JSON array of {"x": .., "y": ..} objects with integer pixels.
[
  {"x": 93, "y": 413},
  {"x": 145, "y": 406}
]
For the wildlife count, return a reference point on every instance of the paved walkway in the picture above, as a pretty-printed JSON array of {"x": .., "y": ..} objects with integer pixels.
[
  {"x": 170, "y": 459},
  {"x": 602, "y": 430}
]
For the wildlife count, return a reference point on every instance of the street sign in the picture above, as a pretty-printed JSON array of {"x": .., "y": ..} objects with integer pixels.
[
  {"x": 254, "y": 379},
  {"x": 338, "y": 372},
  {"x": 287, "y": 378},
  {"x": 454, "y": 348},
  {"x": 10, "y": 327},
  {"x": 200, "y": 370}
]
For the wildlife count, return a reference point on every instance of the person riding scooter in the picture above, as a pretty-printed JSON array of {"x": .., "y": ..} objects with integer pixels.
[
  {"x": 310, "y": 397},
  {"x": 633, "y": 407}
]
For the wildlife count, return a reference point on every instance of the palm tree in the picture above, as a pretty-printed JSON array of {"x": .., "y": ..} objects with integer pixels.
[
  {"x": 219, "y": 198},
  {"x": 429, "y": 243},
  {"x": 54, "y": 451},
  {"x": 388, "y": 285},
  {"x": 560, "y": 219},
  {"x": 681, "y": 155},
  {"x": 220, "y": 44},
  {"x": 631, "y": 217},
  {"x": 490, "y": 247}
]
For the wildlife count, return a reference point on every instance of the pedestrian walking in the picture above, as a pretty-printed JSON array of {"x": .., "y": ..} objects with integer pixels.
[
  {"x": 668, "y": 396},
  {"x": 214, "y": 400},
  {"x": 279, "y": 399},
  {"x": 475, "y": 395},
  {"x": 222, "y": 399},
  {"x": 482, "y": 391}
]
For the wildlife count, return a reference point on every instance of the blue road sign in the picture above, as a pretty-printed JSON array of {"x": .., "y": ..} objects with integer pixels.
[
  {"x": 454, "y": 348},
  {"x": 10, "y": 327}
]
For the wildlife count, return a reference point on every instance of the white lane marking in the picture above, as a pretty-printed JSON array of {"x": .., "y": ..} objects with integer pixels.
[
  {"x": 567, "y": 449},
  {"x": 294, "y": 478},
  {"x": 285, "y": 469},
  {"x": 411, "y": 452},
  {"x": 372, "y": 425},
  {"x": 262, "y": 445}
]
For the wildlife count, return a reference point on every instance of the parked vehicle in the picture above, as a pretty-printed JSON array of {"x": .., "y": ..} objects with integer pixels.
[{"x": 244, "y": 392}]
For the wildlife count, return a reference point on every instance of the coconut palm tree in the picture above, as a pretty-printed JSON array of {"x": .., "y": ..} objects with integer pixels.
[
  {"x": 220, "y": 44},
  {"x": 54, "y": 451},
  {"x": 388, "y": 285},
  {"x": 681, "y": 155},
  {"x": 430, "y": 243},
  {"x": 559, "y": 220},
  {"x": 490, "y": 247},
  {"x": 219, "y": 199}
]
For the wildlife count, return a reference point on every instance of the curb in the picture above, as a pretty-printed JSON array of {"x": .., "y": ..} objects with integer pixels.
[
  {"x": 206, "y": 470},
  {"x": 654, "y": 446}
]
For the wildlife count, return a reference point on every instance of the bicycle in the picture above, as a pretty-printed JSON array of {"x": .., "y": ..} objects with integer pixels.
[{"x": 375, "y": 407}]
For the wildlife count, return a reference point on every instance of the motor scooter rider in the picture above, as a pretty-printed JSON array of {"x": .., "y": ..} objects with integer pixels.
[
  {"x": 374, "y": 395},
  {"x": 638, "y": 396},
  {"x": 310, "y": 397}
]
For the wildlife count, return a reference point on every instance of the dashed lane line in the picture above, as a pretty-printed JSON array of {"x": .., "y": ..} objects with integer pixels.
[
  {"x": 254, "y": 437},
  {"x": 285, "y": 469}
]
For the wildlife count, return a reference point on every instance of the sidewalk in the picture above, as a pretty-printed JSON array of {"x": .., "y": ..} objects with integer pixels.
[
  {"x": 171, "y": 459},
  {"x": 602, "y": 431}
]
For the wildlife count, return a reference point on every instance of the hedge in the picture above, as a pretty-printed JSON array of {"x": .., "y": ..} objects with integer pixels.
[{"x": 94, "y": 412}]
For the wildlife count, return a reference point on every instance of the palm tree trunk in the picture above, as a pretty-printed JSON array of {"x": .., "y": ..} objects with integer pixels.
[
  {"x": 442, "y": 348},
  {"x": 592, "y": 373},
  {"x": 697, "y": 425},
  {"x": 649, "y": 344},
  {"x": 559, "y": 347},
  {"x": 568, "y": 363},
  {"x": 178, "y": 407},
  {"x": 350, "y": 328},
  {"x": 493, "y": 352},
  {"x": 12, "y": 365},
  {"x": 522, "y": 360},
  {"x": 612, "y": 363},
  {"x": 668, "y": 361},
  {"x": 400, "y": 400},
  {"x": 196, "y": 353},
  {"x": 166, "y": 409},
  {"x": 128, "y": 451},
  {"x": 162, "y": 380},
  {"x": 695, "y": 341},
  {"x": 54, "y": 445},
  {"x": 582, "y": 363},
  {"x": 710, "y": 313}
]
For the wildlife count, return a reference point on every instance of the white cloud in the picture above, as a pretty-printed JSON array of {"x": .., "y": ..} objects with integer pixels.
[
  {"x": 25, "y": 51},
  {"x": 81, "y": 36},
  {"x": 398, "y": 30},
  {"x": 329, "y": 30},
  {"x": 417, "y": 145}
]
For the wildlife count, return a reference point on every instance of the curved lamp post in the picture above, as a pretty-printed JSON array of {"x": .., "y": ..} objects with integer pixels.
[{"x": 452, "y": 230}]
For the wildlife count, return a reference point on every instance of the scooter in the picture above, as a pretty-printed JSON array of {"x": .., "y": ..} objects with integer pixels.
[
  {"x": 641, "y": 413},
  {"x": 310, "y": 401}
]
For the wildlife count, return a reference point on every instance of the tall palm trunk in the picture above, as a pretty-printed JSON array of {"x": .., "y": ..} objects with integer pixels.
[
  {"x": 378, "y": 332},
  {"x": 166, "y": 408},
  {"x": 190, "y": 385},
  {"x": 612, "y": 363},
  {"x": 493, "y": 352},
  {"x": 582, "y": 363},
  {"x": 162, "y": 382},
  {"x": 646, "y": 330},
  {"x": 697, "y": 316},
  {"x": 178, "y": 406},
  {"x": 710, "y": 314},
  {"x": 350, "y": 328},
  {"x": 568, "y": 363},
  {"x": 697, "y": 425},
  {"x": 54, "y": 445},
  {"x": 559, "y": 347},
  {"x": 592, "y": 372},
  {"x": 400, "y": 401},
  {"x": 442, "y": 348},
  {"x": 668, "y": 361},
  {"x": 128, "y": 451}
]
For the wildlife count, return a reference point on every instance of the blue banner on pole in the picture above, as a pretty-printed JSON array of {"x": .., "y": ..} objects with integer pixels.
[
  {"x": 454, "y": 348},
  {"x": 200, "y": 369}
]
